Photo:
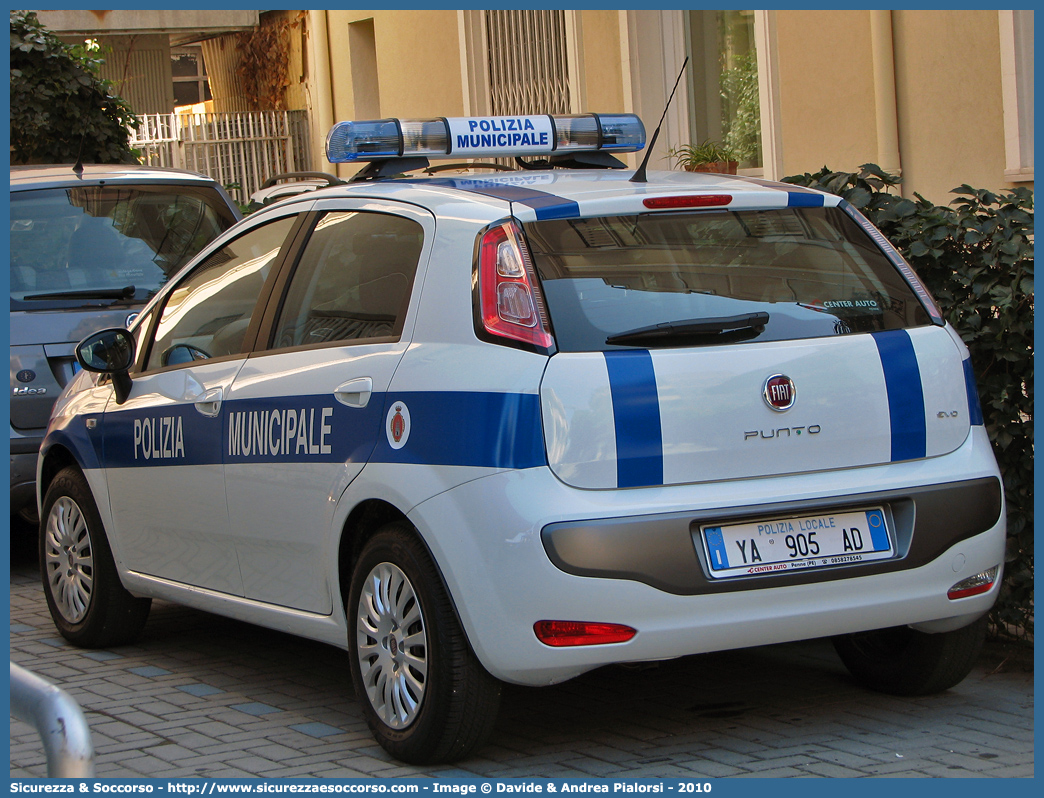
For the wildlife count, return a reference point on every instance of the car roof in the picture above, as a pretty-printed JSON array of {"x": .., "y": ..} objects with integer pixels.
[
  {"x": 61, "y": 175},
  {"x": 584, "y": 191}
]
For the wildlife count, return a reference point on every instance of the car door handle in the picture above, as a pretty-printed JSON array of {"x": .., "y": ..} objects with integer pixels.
[
  {"x": 210, "y": 403},
  {"x": 355, "y": 393}
]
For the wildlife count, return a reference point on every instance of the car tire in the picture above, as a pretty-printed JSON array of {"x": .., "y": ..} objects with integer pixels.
[
  {"x": 426, "y": 697},
  {"x": 88, "y": 603},
  {"x": 903, "y": 661}
]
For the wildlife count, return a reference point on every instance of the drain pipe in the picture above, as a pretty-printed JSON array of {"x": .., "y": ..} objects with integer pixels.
[
  {"x": 885, "y": 106},
  {"x": 58, "y": 720},
  {"x": 321, "y": 86}
]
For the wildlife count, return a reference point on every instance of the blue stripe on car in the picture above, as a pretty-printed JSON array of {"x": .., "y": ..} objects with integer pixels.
[
  {"x": 905, "y": 396},
  {"x": 170, "y": 435},
  {"x": 547, "y": 206},
  {"x": 970, "y": 386},
  {"x": 804, "y": 199},
  {"x": 636, "y": 417},
  {"x": 797, "y": 196},
  {"x": 497, "y": 430},
  {"x": 71, "y": 432}
]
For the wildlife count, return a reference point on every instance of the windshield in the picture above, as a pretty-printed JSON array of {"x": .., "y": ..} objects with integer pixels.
[
  {"x": 715, "y": 277},
  {"x": 111, "y": 243}
]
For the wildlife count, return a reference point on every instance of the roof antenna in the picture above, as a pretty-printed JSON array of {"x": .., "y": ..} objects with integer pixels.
[
  {"x": 78, "y": 166},
  {"x": 639, "y": 173}
]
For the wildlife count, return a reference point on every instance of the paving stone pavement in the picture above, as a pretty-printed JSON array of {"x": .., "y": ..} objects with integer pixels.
[{"x": 202, "y": 696}]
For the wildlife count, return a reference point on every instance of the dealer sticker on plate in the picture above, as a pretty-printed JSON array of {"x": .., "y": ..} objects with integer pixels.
[{"x": 777, "y": 545}]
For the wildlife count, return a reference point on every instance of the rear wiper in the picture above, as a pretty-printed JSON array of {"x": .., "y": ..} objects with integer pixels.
[
  {"x": 127, "y": 292},
  {"x": 719, "y": 330}
]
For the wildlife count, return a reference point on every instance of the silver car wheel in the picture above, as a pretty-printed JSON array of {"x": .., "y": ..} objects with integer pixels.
[
  {"x": 69, "y": 559},
  {"x": 392, "y": 646}
]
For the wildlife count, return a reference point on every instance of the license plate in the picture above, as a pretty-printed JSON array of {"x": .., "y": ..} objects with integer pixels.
[{"x": 800, "y": 542}]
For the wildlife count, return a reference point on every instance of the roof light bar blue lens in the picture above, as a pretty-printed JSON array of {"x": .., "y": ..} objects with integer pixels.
[
  {"x": 484, "y": 136},
  {"x": 364, "y": 141},
  {"x": 622, "y": 132}
]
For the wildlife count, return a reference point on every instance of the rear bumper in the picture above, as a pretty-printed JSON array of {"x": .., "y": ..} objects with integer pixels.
[
  {"x": 664, "y": 552},
  {"x": 488, "y": 537}
]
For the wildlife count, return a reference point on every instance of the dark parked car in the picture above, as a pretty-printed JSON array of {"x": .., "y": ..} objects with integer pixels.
[{"x": 88, "y": 248}]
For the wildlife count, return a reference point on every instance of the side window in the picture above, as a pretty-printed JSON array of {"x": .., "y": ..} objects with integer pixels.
[
  {"x": 353, "y": 281},
  {"x": 207, "y": 315}
]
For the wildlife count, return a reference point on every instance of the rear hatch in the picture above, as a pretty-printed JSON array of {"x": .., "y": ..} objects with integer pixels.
[{"x": 710, "y": 344}]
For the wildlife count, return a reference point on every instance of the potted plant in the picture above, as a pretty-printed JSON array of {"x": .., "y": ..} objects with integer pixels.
[{"x": 710, "y": 156}]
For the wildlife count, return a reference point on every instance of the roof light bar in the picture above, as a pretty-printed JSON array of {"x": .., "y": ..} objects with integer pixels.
[{"x": 484, "y": 136}]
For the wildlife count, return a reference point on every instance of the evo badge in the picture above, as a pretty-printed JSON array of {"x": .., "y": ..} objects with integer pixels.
[{"x": 779, "y": 392}]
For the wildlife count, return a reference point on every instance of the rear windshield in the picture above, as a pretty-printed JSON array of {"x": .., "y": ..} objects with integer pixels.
[
  {"x": 95, "y": 243},
  {"x": 697, "y": 278}
]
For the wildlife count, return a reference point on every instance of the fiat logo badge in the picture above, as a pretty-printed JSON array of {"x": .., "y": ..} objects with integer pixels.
[{"x": 779, "y": 393}]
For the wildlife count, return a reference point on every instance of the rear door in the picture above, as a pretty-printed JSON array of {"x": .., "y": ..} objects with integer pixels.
[
  {"x": 735, "y": 344},
  {"x": 304, "y": 414}
]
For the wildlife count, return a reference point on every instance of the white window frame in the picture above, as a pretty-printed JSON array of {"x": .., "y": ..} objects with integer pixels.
[
  {"x": 1015, "y": 72},
  {"x": 662, "y": 31},
  {"x": 767, "y": 48}
]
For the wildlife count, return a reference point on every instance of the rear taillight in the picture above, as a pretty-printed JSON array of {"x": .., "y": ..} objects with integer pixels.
[
  {"x": 974, "y": 585},
  {"x": 581, "y": 633},
  {"x": 510, "y": 301}
]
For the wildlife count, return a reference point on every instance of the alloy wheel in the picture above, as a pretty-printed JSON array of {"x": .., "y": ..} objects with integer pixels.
[
  {"x": 69, "y": 559},
  {"x": 392, "y": 646}
]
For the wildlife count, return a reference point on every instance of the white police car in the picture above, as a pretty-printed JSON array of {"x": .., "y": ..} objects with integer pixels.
[{"x": 515, "y": 427}]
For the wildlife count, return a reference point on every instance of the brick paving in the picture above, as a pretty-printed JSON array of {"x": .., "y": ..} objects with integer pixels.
[{"x": 202, "y": 696}]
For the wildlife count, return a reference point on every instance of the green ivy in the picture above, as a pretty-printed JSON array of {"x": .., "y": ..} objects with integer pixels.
[
  {"x": 976, "y": 257},
  {"x": 61, "y": 109}
]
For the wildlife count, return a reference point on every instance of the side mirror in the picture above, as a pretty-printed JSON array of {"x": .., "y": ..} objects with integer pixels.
[{"x": 109, "y": 352}]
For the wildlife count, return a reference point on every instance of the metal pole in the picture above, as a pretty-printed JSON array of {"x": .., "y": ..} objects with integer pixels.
[{"x": 59, "y": 721}]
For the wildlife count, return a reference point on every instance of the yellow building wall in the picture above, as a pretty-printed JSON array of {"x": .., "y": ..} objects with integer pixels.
[
  {"x": 826, "y": 91},
  {"x": 947, "y": 87},
  {"x": 602, "y": 66},
  {"x": 418, "y": 62},
  {"x": 414, "y": 64},
  {"x": 948, "y": 92}
]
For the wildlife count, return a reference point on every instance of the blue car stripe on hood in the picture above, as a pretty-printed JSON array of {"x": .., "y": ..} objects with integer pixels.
[{"x": 905, "y": 395}]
